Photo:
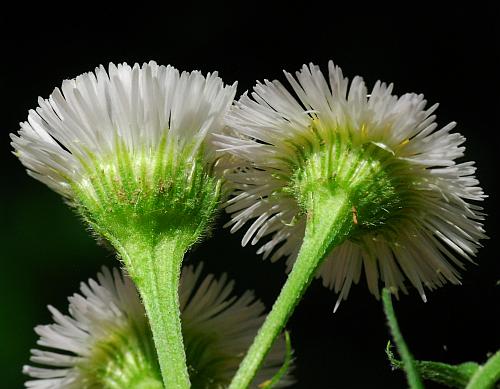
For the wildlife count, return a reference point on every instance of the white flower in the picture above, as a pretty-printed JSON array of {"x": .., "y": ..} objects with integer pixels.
[
  {"x": 275, "y": 135},
  {"x": 105, "y": 340},
  {"x": 105, "y": 322},
  {"x": 88, "y": 124},
  {"x": 130, "y": 148}
]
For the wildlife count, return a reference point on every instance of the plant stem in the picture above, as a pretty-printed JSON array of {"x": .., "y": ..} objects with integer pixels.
[
  {"x": 409, "y": 363},
  {"x": 283, "y": 369},
  {"x": 487, "y": 375},
  {"x": 156, "y": 270},
  {"x": 329, "y": 222}
]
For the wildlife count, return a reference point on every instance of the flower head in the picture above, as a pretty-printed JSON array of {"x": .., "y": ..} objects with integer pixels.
[
  {"x": 412, "y": 215},
  {"x": 131, "y": 140},
  {"x": 98, "y": 116},
  {"x": 130, "y": 148},
  {"x": 105, "y": 341}
]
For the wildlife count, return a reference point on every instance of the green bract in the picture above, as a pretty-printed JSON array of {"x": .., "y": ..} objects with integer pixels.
[
  {"x": 148, "y": 198},
  {"x": 365, "y": 176}
]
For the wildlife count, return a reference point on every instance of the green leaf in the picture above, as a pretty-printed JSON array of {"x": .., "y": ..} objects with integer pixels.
[
  {"x": 487, "y": 375},
  {"x": 453, "y": 376}
]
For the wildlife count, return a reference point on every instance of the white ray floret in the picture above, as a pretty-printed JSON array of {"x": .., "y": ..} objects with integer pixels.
[
  {"x": 135, "y": 108},
  {"x": 107, "y": 324},
  {"x": 273, "y": 133}
]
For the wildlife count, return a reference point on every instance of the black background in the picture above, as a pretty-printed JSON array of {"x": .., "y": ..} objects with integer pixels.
[{"x": 451, "y": 56}]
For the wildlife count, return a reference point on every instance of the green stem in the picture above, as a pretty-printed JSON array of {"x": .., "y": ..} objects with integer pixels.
[
  {"x": 409, "y": 363},
  {"x": 487, "y": 375},
  {"x": 329, "y": 222},
  {"x": 284, "y": 368},
  {"x": 156, "y": 271}
]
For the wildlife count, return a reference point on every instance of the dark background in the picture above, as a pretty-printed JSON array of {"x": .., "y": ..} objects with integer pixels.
[{"x": 450, "y": 56}]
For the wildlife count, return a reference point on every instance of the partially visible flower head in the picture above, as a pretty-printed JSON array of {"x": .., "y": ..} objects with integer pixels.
[
  {"x": 412, "y": 214},
  {"x": 105, "y": 341}
]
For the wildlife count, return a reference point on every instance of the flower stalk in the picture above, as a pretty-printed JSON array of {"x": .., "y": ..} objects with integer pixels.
[
  {"x": 329, "y": 222},
  {"x": 412, "y": 375},
  {"x": 156, "y": 274},
  {"x": 343, "y": 190}
]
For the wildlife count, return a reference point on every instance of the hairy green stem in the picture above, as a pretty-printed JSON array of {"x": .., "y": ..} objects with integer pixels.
[
  {"x": 487, "y": 375},
  {"x": 410, "y": 367},
  {"x": 156, "y": 270},
  {"x": 329, "y": 222}
]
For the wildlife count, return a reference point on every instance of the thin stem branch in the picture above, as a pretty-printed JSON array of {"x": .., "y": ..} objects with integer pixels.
[
  {"x": 410, "y": 367},
  {"x": 157, "y": 273},
  {"x": 284, "y": 368},
  {"x": 329, "y": 221}
]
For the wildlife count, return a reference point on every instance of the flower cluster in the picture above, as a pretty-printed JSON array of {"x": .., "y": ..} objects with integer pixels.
[{"x": 337, "y": 178}]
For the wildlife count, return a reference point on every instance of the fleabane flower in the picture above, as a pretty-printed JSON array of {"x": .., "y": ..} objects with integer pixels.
[
  {"x": 129, "y": 146},
  {"x": 376, "y": 164},
  {"x": 105, "y": 340},
  {"x": 130, "y": 149}
]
